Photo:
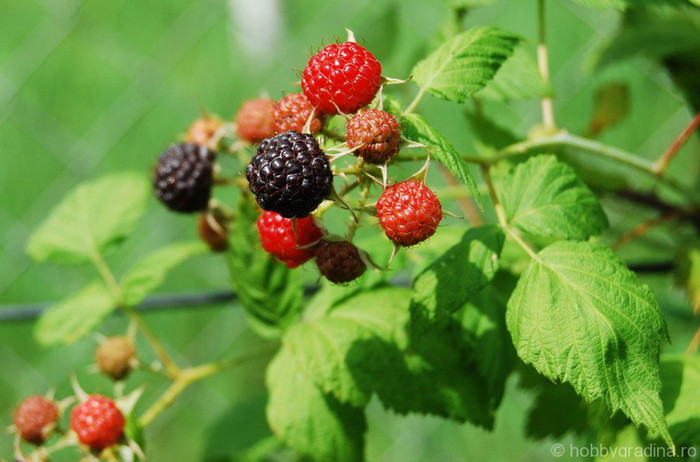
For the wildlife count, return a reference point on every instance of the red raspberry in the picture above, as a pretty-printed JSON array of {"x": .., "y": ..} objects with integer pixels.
[
  {"x": 377, "y": 133},
  {"x": 97, "y": 422},
  {"x": 409, "y": 212},
  {"x": 341, "y": 77},
  {"x": 292, "y": 112},
  {"x": 339, "y": 261},
  {"x": 202, "y": 131},
  {"x": 35, "y": 418},
  {"x": 254, "y": 120},
  {"x": 277, "y": 235}
]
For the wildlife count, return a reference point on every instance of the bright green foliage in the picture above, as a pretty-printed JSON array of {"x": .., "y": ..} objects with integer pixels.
[
  {"x": 579, "y": 316},
  {"x": 415, "y": 128},
  {"x": 270, "y": 293},
  {"x": 91, "y": 218},
  {"x": 308, "y": 420},
  {"x": 485, "y": 336},
  {"x": 76, "y": 316},
  {"x": 149, "y": 273},
  {"x": 544, "y": 197},
  {"x": 517, "y": 79},
  {"x": 458, "y": 275},
  {"x": 321, "y": 345},
  {"x": 464, "y": 64},
  {"x": 680, "y": 393}
]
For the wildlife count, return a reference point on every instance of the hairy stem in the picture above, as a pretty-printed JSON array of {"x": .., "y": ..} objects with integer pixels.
[
  {"x": 188, "y": 377},
  {"x": 118, "y": 295},
  {"x": 662, "y": 162},
  {"x": 543, "y": 66}
]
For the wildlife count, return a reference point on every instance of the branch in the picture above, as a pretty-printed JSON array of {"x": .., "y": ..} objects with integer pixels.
[
  {"x": 662, "y": 162},
  {"x": 543, "y": 67}
]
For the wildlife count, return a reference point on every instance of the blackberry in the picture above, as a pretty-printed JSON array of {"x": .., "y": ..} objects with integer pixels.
[
  {"x": 290, "y": 174},
  {"x": 339, "y": 261},
  {"x": 184, "y": 177}
]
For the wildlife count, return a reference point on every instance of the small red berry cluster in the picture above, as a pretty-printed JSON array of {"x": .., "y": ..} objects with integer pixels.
[{"x": 288, "y": 177}]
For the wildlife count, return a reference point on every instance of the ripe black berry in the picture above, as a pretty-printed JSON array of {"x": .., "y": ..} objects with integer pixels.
[
  {"x": 339, "y": 261},
  {"x": 184, "y": 177},
  {"x": 290, "y": 174}
]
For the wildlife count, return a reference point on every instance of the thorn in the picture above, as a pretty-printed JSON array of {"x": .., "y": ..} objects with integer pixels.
[
  {"x": 393, "y": 254},
  {"x": 351, "y": 35},
  {"x": 423, "y": 172},
  {"x": 334, "y": 157},
  {"x": 128, "y": 402},
  {"x": 393, "y": 81},
  {"x": 374, "y": 179},
  {"x": 408, "y": 144},
  {"x": 367, "y": 260},
  {"x": 336, "y": 197},
  {"x": 452, "y": 215},
  {"x": 307, "y": 126},
  {"x": 385, "y": 174}
]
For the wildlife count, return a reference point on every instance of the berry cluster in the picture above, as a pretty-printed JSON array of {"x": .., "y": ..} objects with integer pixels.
[{"x": 297, "y": 141}]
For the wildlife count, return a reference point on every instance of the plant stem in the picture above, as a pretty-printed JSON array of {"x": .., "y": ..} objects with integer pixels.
[
  {"x": 642, "y": 228},
  {"x": 118, "y": 295},
  {"x": 186, "y": 378},
  {"x": 415, "y": 101},
  {"x": 662, "y": 162},
  {"x": 501, "y": 215},
  {"x": 543, "y": 67}
]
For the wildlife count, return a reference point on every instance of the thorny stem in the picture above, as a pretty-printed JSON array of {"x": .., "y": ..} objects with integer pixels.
[
  {"x": 188, "y": 377},
  {"x": 117, "y": 293},
  {"x": 543, "y": 67},
  {"x": 501, "y": 215},
  {"x": 662, "y": 162}
]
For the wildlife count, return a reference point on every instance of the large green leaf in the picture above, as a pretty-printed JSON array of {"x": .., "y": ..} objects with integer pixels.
[
  {"x": 90, "y": 218},
  {"x": 544, "y": 197},
  {"x": 465, "y": 63},
  {"x": 270, "y": 293},
  {"x": 517, "y": 79},
  {"x": 455, "y": 277},
  {"x": 415, "y": 128},
  {"x": 313, "y": 423},
  {"x": 321, "y": 344},
  {"x": 144, "y": 277},
  {"x": 75, "y": 316},
  {"x": 580, "y": 316}
]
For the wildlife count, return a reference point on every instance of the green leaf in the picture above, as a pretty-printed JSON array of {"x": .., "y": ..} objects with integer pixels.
[
  {"x": 415, "y": 128},
  {"x": 580, "y": 316},
  {"x": 74, "y": 317},
  {"x": 489, "y": 137},
  {"x": 92, "y": 217},
  {"x": 687, "y": 273},
  {"x": 680, "y": 393},
  {"x": 150, "y": 272},
  {"x": 464, "y": 64},
  {"x": 484, "y": 332},
  {"x": 321, "y": 344},
  {"x": 270, "y": 293},
  {"x": 517, "y": 79},
  {"x": 544, "y": 197},
  {"x": 458, "y": 275},
  {"x": 311, "y": 422}
]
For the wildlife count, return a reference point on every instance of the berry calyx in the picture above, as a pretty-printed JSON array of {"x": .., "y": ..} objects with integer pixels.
[
  {"x": 376, "y": 134},
  {"x": 290, "y": 174},
  {"x": 289, "y": 241},
  {"x": 339, "y": 261},
  {"x": 35, "y": 418},
  {"x": 213, "y": 229},
  {"x": 184, "y": 177},
  {"x": 341, "y": 77},
  {"x": 254, "y": 120},
  {"x": 203, "y": 130},
  {"x": 98, "y": 422},
  {"x": 409, "y": 212},
  {"x": 115, "y": 357},
  {"x": 292, "y": 113}
]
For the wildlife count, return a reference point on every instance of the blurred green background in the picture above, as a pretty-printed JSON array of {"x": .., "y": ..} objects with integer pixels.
[{"x": 88, "y": 87}]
